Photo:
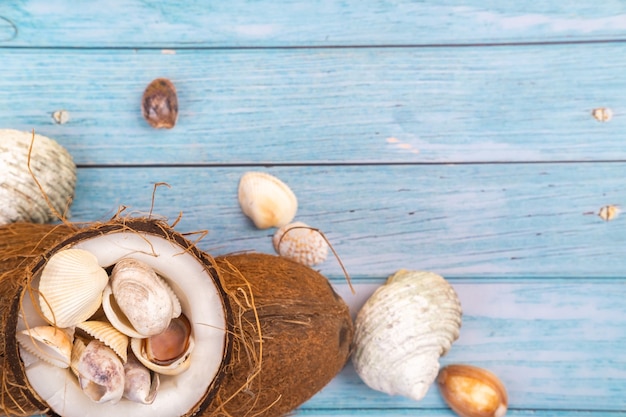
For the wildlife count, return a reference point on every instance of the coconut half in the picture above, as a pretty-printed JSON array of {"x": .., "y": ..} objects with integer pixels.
[{"x": 203, "y": 302}]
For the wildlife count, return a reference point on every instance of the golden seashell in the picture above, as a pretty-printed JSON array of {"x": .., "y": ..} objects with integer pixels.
[
  {"x": 70, "y": 287},
  {"x": 100, "y": 372},
  {"x": 48, "y": 343},
  {"x": 266, "y": 200},
  {"x": 167, "y": 353},
  {"x": 107, "y": 334},
  {"x": 159, "y": 104},
  {"x": 301, "y": 243}
]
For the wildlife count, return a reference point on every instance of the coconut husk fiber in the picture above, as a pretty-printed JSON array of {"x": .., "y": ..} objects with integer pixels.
[{"x": 289, "y": 332}]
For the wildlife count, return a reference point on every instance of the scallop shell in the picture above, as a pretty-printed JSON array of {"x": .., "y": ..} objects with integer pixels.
[
  {"x": 159, "y": 104},
  {"x": 52, "y": 166},
  {"x": 100, "y": 372},
  {"x": 48, "y": 343},
  {"x": 178, "y": 332},
  {"x": 70, "y": 287},
  {"x": 402, "y": 330},
  {"x": 138, "y": 302},
  {"x": 141, "y": 384},
  {"x": 266, "y": 200},
  {"x": 301, "y": 243},
  {"x": 108, "y": 335}
]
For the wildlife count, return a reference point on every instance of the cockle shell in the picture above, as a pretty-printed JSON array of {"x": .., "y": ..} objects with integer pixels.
[
  {"x": 70, "y": 287},
  {"x": 301, "y": 243},
  {"x": 141, "y": 384},
  {"x": 108, "y": 335},
  {"x": 159, "y": 104},
  {"x": 138, "y": 302},
  {"x": 402, "y": 330},
  {"x": 100, "y": 372},
  {"x": 48, "y": 343},
  {"x": 167, "y": 353},
  {"x": 266, "y": 200},
  {"x": 51, "y": 165}
]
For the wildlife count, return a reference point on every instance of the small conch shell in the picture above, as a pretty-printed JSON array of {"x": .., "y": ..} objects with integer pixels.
[
  {"x": 48, "y": 343},
  {"x": 138, "y": 302},
  {"x": 141, "y": 384},
  {"x": 100, "y": 372},
  {"x": 51, "y": 164},
  {"x": 108, "y": 335},
  {"x": 70, "y": 287},
  {"x": 301, "y": 243},
  {"x": 159, "y": 104},
  {"x": 402, "y": 330},
  {"x": 266, "y": 200},
  {"x": 167, "y": 353}
]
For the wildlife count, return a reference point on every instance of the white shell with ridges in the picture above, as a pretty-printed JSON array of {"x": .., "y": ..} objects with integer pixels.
[
  {"x": 402, "y": 330},
  {"x": 48, "y": 343},
  {"x": 52, "y": 166},
  {"x": 301, "y": 243},
  {"x": 70, "y": 287},
  {"x": 266, "y": 200},
  {"x": 108, "y": 335}
]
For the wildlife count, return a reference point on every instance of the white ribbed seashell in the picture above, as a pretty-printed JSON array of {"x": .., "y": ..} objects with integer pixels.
[
  {"x": 141, "y": 384},
  {"x": 301, "y": 243},
  {"x": 100, "y": 372},
  {"x": 70, "y": 287},
  {"x": 108, "y": 335},
  {"x": 138, "y": 302},
  {"x": 402, "y": 330},
  {"x": 52, "y": 166},
  {"x": 48, "y": 343},
  {"x": 266, "y": 200}
]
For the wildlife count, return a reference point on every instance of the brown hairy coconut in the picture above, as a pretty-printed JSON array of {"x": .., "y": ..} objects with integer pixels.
[{"x": 266, "y": 333}]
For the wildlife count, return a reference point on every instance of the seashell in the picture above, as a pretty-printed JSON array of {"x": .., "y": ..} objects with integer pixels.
[
  {"x": 402, "y": 330},
  {"x": 299, "y": 242},
  {"x": 167, "y": 353},
  {"x": 48, "y": 343},
  {"x": 159, "y": 104},
  {"x": 138, "y": 302},
  {"x": 52, "y": 166},
  {"x": 266, "y": 200},
  {"x": 141, "y": 384},
  {"x": 70, "y": 287},
  {"x": 100, "y": 372},
  {"x": 108, "y": 335}
]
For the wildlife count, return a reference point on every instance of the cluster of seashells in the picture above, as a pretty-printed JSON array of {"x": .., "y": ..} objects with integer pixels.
[
  {"x": 269, "y": 202},
  {"x": 117, "y": 333}
]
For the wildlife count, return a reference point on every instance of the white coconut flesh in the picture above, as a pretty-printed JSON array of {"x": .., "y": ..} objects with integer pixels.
[{"x": 201, "y": 303}]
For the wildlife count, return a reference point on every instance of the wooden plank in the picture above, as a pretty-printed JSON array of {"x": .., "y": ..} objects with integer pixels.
[
  {"x": 402, "y": 105},
  {"x": 555, "y": 345},
  {"x": 172, "y": 24},
  {"x": 460, "y": 220}
]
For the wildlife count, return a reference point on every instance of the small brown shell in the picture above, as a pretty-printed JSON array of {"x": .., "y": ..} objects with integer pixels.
[{"x": 159, "y": 104}]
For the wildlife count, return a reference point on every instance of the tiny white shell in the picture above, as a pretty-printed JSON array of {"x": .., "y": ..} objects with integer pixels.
[
  {"x": 48, "y": 343},
  {"x": 266, "y": 200},
  {"x": 402, "y": 330},
  {"x": 141, "y": 384},
  {"x": 299, "y": 242},
  {"x": 108, "y": 335},
  {"x": 51, "y": 165},
  {"x": 70, "y": 287},
  {"x": 100, "y": 373}
]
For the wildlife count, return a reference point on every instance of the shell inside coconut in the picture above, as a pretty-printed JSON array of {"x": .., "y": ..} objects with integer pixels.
[{"x": 202, "y": 303}]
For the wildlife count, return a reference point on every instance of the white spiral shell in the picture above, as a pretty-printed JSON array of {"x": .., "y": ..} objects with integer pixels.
[
  {"x": 52, "y": 166},
  {"x": 402, "y": 330}
]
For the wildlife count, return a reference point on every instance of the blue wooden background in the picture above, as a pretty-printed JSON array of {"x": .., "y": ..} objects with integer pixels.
[{"x": 452, "y": 136}]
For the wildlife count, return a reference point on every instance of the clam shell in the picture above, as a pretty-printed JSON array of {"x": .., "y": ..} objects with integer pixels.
[
  {"x": 266, "y": 200},
  {"x": 108, "y": 335},
  {"x": 70, "y": 287},
  {"x": 48, "y": 343},
  {"x": 52, "y": 166},
  {"x": 159, "y": 104},
  {"x": 299, "y": 242},
  {"x": 100, "y": 373},
  {"x": 402, "y": 330},
  {"x": 141, "y": 297}
]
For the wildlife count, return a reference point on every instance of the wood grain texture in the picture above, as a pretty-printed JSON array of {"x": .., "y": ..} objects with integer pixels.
[
  {"x": 172, "y": 24},
  {"x": 382, "y": 105}
]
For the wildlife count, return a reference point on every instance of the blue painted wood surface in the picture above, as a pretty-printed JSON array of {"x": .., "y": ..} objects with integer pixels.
[{"x": 453, "y": 136}]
